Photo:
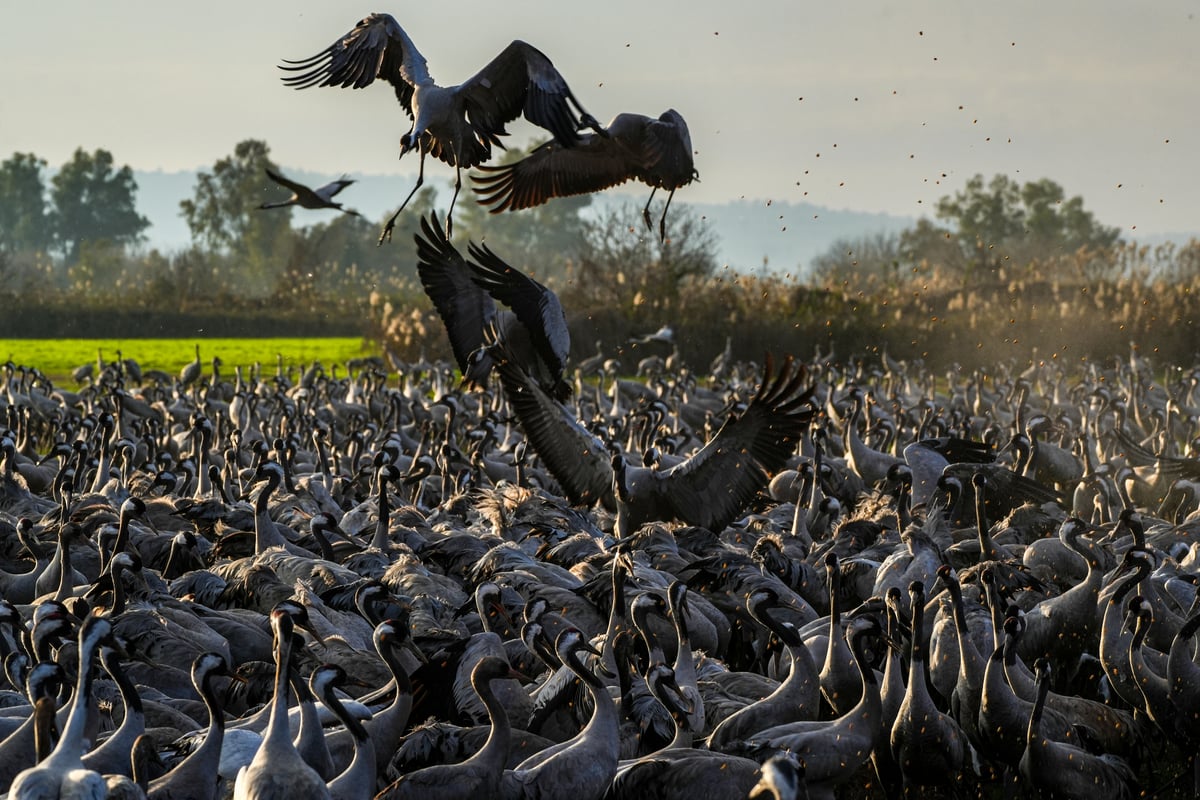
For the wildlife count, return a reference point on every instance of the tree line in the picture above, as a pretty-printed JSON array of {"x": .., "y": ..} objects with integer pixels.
[
  {"x": 76, "y": 239},
  {"x": 74, "y": 242}
]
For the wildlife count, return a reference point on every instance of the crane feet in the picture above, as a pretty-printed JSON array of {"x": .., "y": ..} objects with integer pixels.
[{"x": 386, "y": 233}]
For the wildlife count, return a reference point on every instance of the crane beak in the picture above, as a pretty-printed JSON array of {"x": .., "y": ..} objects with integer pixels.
[{"x": 407, "y": 142}]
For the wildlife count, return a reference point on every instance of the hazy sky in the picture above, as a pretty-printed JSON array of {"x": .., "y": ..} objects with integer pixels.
[{"x": 866, "y": 105}]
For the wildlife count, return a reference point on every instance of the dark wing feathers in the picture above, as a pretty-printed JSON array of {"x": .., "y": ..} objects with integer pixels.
[
  {"x": 1171, "y": 466},
  {"x": 520, "y": 80},
  {"x": 576, "y": 458},
  {"x": 535, "y": 306},
  {"x": 710, "y": 489},
  {"x": 465, "y": 308},
  {"x": 377, "y": 47},
  {"x": 713, "y": 486},
  {"x": 667, "y": 151},
  {"x": 550, "y": 171},
  {"x": 297, "y": 188},
  {"x": 657, "y": 152}
]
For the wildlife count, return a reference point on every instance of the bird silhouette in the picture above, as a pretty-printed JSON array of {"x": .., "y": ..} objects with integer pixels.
[
  {"x": 709, "y": 489},
  {"x": 456, "y": 124},
  {"x": 657, "y": 152},
  {"x": 463, "y": 291},
  {"x": 306, "y": 197}
]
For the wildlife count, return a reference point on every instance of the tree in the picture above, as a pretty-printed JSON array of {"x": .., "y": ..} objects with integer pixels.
[
  {"x": 25, "y": 223},
  {"x": 224, "y": 216},
  {"x": 876, "y": 255},
  {"x": 1006, "y": 222},
  {"x": 341, "y": 259},
  {"x": 1054, "y": 222},
  {"x": 984, "y": 216},
  {"x": 622, "y": 266},
  {"x": 930, "y": 248},
  {"x": 94, "y": 202}
]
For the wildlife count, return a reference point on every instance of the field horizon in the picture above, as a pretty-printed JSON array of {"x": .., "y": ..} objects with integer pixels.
[{"x": 58, "y": 358}]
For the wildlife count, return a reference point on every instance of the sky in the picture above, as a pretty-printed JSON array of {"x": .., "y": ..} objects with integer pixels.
[{"x": 866, "y": 105}]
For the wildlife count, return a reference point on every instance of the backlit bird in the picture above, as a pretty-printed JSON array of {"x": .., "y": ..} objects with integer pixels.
[
  {"x": 657, "y": 152},
  {"x": 456, "y": 124},
  {"x": 305, "y": 197}
]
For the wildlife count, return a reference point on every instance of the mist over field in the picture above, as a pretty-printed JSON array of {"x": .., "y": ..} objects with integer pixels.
[{"x": 784, "y": 239}]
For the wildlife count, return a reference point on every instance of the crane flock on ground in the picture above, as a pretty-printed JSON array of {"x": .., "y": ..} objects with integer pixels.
[{"x": 810, "y": 577}]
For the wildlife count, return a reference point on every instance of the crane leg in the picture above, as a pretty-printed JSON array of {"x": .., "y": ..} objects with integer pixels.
[
  {"x": 450, "y": 212},
  {"x": 391, "y": 223},
  {"x": 646, "y": 210},
  {"x": 662, "y": 221}
]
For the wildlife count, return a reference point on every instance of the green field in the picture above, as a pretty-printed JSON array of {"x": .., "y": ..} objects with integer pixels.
[{"x": 58, "y": 358}]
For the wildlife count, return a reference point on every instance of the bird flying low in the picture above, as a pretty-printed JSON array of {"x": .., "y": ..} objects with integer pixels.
[
  {"x": 456, "y": 124},
  {"x": 464, "y": 290},
  {"x": 305, "y": 197},
  {"x": 709, "y": 489},
  {"x": 657, "y": 152}
]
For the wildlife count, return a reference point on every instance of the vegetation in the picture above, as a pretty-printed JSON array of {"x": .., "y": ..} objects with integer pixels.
[
  {"x": 59, "y": 358},
  {"x": 1003, "y": 271}
]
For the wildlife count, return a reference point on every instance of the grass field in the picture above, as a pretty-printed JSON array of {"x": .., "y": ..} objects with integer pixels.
[{"x": 58, "y": 358}]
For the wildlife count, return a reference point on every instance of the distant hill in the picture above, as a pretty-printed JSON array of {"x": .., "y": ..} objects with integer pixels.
[
  {"x": 753, "y": 234},
  {"x": 784, "y": 237}
]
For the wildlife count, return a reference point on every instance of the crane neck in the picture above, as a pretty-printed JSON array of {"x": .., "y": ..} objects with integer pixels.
[
  {"x": 495, "y": 747},
  {"x": 277, "y": 722}
]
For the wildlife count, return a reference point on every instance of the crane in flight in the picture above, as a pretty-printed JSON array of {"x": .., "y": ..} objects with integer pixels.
[
  {"x": 306, "y": 197},
  {"x": 657, "y": 152},
  {"x": 456, "y": 124}
]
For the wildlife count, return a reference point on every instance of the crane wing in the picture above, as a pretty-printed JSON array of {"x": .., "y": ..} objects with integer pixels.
[
  {"x": 521, "y": 80},
  {"x": 667, "y": 147},
  {"x": 657, "y": 152},
  {"x": 712, "y": 487},
  {"x": 297, "y": 188},
  {"x": 1006, "y": 489},
  {"x": 551, "y": 171},
  {"x": 465, "y": 309},
  {"x": 377, "y": 47},
  {"x": 536, "y": 307},
  {"x": 576, "y": 458}
]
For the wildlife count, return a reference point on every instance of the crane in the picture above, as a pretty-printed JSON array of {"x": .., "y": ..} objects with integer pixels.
[{"x": 456, "y": 124}]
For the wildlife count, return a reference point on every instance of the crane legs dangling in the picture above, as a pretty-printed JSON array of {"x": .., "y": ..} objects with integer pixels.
[
  {"x": 391, "y": 223},
  {"x": 450, "y": 211},
  {"x": 646, "y": 210},
  {"x": 662, "y": 221}
]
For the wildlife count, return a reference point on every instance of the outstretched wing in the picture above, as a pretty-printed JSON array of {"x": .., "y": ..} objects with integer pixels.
[
  {"x": 333, "y": 187},
  {"x": 299, "y": 189},
  {"x": 377, "y": 47},
  {"x": 536, "y": 307},
  {"x": 712, "y": 488},
  {"x": 551, "y": 171},
  {"x": 465, "y": 309},
  {"x": 657, "y": 152},
  {"x": 577, "y": 459},
  {"x": 1006, "y": 489},
  {"x": 521, "y": 80}
]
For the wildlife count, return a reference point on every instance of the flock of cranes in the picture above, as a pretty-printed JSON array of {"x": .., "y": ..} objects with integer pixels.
[
  {"x": 801, "y": 578},
  {"x": 374, "y": 583}
]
